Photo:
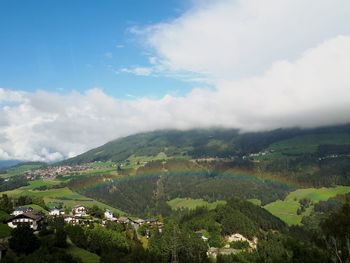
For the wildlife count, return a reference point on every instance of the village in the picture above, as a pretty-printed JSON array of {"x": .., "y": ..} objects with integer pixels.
[
  {"x": 79, "y": 215},
  {"x": 51, "y": 172}
]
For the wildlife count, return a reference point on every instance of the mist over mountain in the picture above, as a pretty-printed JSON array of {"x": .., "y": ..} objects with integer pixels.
[{"x": 198, "y": 143}]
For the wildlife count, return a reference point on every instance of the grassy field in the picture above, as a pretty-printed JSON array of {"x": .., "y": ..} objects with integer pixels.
[
  {"x": 287, "y": 209},
  {"x": 304, "y": 144},
  {"x": 189, "y": 203},
  {"x": 137, "y": 161},
  {"x": 38, "y": 183},
  {"x": 20, "y": 169},
  {"x": 65, "y": 195}
]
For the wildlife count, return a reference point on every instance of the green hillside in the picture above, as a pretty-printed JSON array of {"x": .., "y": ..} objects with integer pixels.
[
  {"x": 217, "y": 143},
  {"x": 287, "y": 210}
]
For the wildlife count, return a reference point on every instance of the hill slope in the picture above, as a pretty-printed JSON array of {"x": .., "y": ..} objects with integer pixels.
[{"x": 201, "y": 143}]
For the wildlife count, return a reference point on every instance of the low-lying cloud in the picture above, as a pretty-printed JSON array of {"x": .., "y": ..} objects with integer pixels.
[{"x": 265, "y": 75}]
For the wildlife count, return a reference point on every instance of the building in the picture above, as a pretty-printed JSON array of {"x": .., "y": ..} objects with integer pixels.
[
  {"x": 56, "y": 212},
  {"x": 109, "y": 215},
  {"x": 79, "y": 210},
  {"x": 21, "y": 210},
  {"x": 71, "y": 220},
  {"x": 33, "y": 219},
  {"x": 123, "y": 220}
]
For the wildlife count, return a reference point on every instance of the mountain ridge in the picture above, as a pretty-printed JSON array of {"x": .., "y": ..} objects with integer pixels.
[{"x": 195, "y": 143}]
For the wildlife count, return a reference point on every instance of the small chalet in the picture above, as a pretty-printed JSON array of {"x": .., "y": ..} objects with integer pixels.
[
  {"x": 79, "y": 210},
  {"x": 109, "y": 215},
  {"x": 56, "y": 212},
  {"x": 21, "y": 210},
  {"x": 71, "y": 220},
  {"x": 33, "y": 219}
]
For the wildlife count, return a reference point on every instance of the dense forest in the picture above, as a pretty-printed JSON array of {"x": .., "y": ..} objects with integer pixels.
[
  {"x": 148, "y": 191},
  {"x": 323, "y": 237}
]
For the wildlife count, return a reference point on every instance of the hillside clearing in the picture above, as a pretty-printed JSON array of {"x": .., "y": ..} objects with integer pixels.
[
  {"x": 286, "y": 210},
  {"x": 189, "y": 203}
]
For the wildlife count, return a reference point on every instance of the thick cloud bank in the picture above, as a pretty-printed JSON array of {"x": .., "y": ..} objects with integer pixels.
[{"x": 272, "y": 65}]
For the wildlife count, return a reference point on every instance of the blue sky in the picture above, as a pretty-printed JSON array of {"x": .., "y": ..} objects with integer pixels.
[{"x": 76, "y": 45}]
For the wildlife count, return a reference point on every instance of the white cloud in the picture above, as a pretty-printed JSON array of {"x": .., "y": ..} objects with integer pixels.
[
  {"x": 312, "y": 91},
  {"x": 239, "y": 38},
  {"x": 138, "y": 71},
  {"x": 273, "y": 64}
]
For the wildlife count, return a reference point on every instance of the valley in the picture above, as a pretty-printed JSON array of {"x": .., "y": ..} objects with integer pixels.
[{"x": 218, "y": 183}]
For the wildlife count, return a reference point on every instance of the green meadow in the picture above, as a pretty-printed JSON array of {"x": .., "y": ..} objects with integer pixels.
[
  {"x": 304, "y": 144},
  {"x": 65, "y": 195},
  {"x": 20, "y": 169},
  {"x": 287, "y": 209},
  {"x": 190, "y": 203}
]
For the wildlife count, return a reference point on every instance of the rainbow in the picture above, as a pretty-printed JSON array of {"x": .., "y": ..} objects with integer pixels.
[{"x": 103, "y": 181}]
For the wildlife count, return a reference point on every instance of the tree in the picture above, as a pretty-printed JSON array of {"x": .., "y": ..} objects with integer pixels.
[
  {"x": 77, "y": 235},
  {"x": 23, "y": 240},
  {"x": 6, "y": 204},
  {"x": 102, "y": 239},
  {"x": 96, "y": 211},
  {"x": 61, "y": 237},
  {"x": 336, "y": 229}
]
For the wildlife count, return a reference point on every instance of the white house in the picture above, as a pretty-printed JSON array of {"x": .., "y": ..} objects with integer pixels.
[
  {"x": 71, "y": 220},
  {"x": 56, "y": 212},
  {"x": 33, "y": 219},
  {"x": 109, "y": 215},
  {"x": 21, "y": 210},
  {"x": 79, "y": 210}
]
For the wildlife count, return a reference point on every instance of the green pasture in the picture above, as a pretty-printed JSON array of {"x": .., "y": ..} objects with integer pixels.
[
  {"x": 286, "y": 210},
  {"x": 190, "y": 203},
  {"x": 20, "y": 169},
  {"x": 65, "y": 195},
  {"x": 304, "y": 144}
]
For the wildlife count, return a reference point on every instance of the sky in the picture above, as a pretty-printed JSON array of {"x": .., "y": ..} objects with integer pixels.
[{"x": 76, "y": 74}]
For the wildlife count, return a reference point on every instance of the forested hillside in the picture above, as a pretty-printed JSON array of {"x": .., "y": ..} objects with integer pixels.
[{"x": 202, "y": 143}]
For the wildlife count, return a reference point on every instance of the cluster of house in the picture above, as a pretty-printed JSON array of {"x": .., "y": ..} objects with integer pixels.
[
  {"x": 227, "y": 250},
  {"x": 78, "y": 216},
  {"x": 53, "y": 171}
]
